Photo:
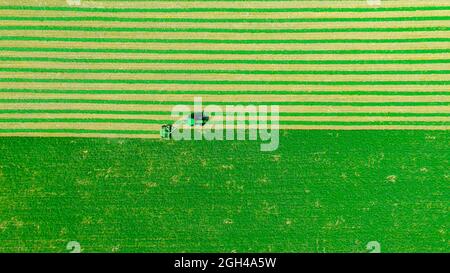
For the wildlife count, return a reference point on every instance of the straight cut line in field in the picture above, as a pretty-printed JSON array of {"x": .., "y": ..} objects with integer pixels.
[
  {"x": 235, "y": 52},
  {"x": 212, "y": 82},
  {"x": 281, "y": 122},
  {"x": 201, "y": 71},
  {"x": 177, "y": 10},
  {"x": 221, "y": 30},
  {"x": 219, "y": 61},
  {"x": 225, "y": 20},
  {"x": 306, "y": 103},
  {"x": 223, "y": 41},
  {"x": 79, "y": 131},
  {"x": 231, "y": 92},
  {"x": 299, "y": 114}
]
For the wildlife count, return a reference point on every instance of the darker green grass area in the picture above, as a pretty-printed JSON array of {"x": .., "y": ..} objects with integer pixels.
[{"x": 321, "y": 191}]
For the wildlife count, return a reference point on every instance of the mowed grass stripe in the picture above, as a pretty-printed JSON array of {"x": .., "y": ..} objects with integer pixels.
[
  {"x": 263, "y": 72},
  {"x": 177, "y": 10},
  {"x": 231, "y": 92},
  {"x": 220, "y": 88},
  {"x": 281, "y": 122},
  {"x": 222, "y": 30},
  {"x": 160, "y": 35},
  {"x": 212, "y": 82},
  {"x": 288, "y": 114},
  {"x": 84, "y": 120},
  {"x": 218, "y": 61},
  {"x": 226, "y": 52},
  {"x": 222, "y": 41},
  {"x": 224, "y": 20},
  {"x": 201, "y": 71},
  {"x": 78, "y": 131},
  {"x": 306, "y": 103}
]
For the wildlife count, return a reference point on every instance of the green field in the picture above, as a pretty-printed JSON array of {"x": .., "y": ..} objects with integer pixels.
[{"x": 321, "y": 191}]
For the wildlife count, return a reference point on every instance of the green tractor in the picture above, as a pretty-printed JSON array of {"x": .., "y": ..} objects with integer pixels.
[
  {"x": 194, "y": 119},
  {"x": 197, "y": 119}
]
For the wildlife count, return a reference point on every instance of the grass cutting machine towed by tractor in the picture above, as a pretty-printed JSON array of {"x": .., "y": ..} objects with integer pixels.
[{"x": 194, "y": 119}]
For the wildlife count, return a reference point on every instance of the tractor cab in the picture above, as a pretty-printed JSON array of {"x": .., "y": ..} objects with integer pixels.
[{"x": 197, "y": 119}]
